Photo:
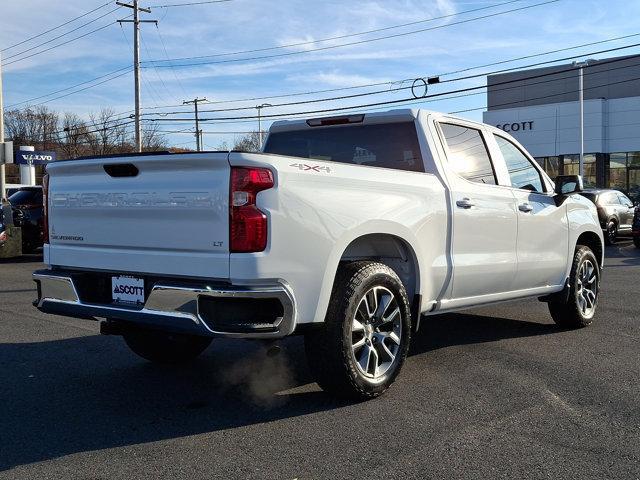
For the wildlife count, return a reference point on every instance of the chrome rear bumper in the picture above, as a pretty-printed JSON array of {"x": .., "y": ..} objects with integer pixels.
[{"x": 169, "y": 305}]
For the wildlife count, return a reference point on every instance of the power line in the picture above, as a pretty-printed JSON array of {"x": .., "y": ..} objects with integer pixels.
[
  {"x": 551, "y": 95},
  {"x": 344, "y": 97},
  {"x": 396, "y": 101},
  {"x": 166, "y": 54},
  {"x": 85, "y": 88},
  {"x": 157, "y": 72},
  {"x": 339, "y": 37},
  {"x": 58, "y": 45},
  {"x": 189, "y": 4},
  {"x": 68, "y": 88},
  {"x": 57, "y": 27},
  {"x": 61, "y": 35},
  {"x": 355, "y": 87},
  {"x": 359, "y": 42},
  {"x": 377, "y": 84}
]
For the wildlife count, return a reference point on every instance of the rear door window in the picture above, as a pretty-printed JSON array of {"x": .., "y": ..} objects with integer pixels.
[
  {"x": 387, "y": 145},
  {"x": 624, "y": 200},
  {"x": 521, "y": 171},
  {"x": 468, "y": 154},
  {"x": 610, "y": 198}
]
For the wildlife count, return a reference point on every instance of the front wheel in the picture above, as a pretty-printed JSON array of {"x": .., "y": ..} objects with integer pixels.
[
  {"x": 636, "y": 241},
  {"x": 361, "y": 348},
  {"x": 612, "y": 233},
  {"x": 164, "y": 347},
  {"x": 578, "y": 309}
]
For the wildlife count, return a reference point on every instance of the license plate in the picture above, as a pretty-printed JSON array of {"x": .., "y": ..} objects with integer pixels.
[{"x": 127, "y": 289}]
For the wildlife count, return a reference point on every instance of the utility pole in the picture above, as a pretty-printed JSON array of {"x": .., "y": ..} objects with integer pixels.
[
  {"x": 3, "y": 178},
  {"x": 260, "y": 107},
  {"x": 136, "y": 60},
  {"x": 195, "y": 102}
]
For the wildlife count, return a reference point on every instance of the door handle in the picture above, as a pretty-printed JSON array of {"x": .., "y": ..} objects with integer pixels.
[
  {"x": 465, "y": 203},
  {"x": 525, "y": 207}
]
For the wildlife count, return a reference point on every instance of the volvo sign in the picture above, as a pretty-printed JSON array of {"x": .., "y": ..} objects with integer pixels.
[{"x": 23, "y": 157}]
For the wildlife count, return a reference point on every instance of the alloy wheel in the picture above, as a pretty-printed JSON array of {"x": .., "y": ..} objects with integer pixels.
[
  {"x": 587, "y": 288},
  {"x": 612, "y": 232},
  {"x": 376, "y": 333}
]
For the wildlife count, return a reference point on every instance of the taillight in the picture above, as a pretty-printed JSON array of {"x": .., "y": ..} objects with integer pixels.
[
  {"x": 45, "y": 208},
  {"x": 247, "y": 224}
]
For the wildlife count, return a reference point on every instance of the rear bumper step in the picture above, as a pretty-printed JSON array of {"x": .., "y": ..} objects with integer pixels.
[{"x": 209, "y": 310}]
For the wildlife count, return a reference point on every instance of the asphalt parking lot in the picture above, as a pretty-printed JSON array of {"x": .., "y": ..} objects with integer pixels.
[{"x": 497, "y": 392}]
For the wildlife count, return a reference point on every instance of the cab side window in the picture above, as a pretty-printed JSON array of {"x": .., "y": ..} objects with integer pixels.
[
  {"x": 624, "y": 200},
  {"x": 611, "y": 198},
  {"x": 522, "y": 172},
  {"x": 468, "y": 154}
]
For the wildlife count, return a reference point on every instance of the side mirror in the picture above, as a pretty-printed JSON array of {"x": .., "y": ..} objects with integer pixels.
[{"x": 568, "y": 184}]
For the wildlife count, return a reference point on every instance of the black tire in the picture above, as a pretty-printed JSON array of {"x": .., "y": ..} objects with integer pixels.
[
  {"x": 570, "y": 312},
  {"x": 331, "y": 351},
  {"x": 165, "y": 347},
  {"x": 611, "y": 235},
  {"x": 636, "y": 241}
]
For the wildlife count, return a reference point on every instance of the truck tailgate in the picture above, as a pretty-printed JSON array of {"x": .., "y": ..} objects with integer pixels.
[{"x": 163, "y": 214}]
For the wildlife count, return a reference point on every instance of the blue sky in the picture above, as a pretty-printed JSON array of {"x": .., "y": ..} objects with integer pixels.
[{"x": 239, "y": 25}]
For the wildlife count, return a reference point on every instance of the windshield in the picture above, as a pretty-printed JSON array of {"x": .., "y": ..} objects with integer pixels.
[{"x": 388, "y": 145}]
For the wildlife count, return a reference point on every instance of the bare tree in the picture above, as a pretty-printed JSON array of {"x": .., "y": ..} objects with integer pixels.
[
  {"x": 248, "y": 143},
  {"x": 31, "y": 126},
  {"x": 152, "y": 139},
  {"x": 108, "y": 135},
  {"x": 76, "y": 136}
]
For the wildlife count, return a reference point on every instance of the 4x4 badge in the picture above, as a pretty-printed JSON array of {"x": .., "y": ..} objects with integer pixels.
[{"x": 316, "y": 168}]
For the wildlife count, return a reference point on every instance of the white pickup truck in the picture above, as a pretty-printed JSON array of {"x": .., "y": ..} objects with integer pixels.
[{"x": 345, "y": 229}]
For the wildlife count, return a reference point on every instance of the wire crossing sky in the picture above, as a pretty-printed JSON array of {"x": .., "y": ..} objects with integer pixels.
[{"x": 72, "y": 55}]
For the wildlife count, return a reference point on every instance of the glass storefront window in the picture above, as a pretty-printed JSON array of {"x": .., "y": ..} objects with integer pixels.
[
  {"x": 572, "y": 167},
  {"x": 551, "y": 165},
  {"x": 617, "y": 171},
  {"x": 633, "y": 162}
]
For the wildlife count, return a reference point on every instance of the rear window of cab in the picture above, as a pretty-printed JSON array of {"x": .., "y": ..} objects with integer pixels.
[{"x": 386, "y": 145}]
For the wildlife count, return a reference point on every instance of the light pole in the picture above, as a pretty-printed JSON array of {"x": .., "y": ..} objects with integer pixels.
[
  {"x": 260, "y": 107},
  {"x": 581, "y": 66}
]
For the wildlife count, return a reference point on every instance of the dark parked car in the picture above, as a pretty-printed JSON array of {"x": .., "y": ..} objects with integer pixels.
[
  {"x": 615, "y": 212},
  {"x": 635, "y": 227},
  {"x": 28, "y": 214},
  {"x": 3, "y": 232}
]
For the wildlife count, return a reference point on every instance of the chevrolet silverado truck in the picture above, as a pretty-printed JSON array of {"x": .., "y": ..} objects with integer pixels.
[{"x": 346, "y": 230}]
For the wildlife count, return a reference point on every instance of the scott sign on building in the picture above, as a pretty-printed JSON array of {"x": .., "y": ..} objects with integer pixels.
[{"x": 516, "y": 126}]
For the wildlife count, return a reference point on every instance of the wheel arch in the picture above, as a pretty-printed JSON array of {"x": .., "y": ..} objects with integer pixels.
[
  {"x": 391, "y": 246},
  {"x": 593, "y": 241},
  {"x": 391, "y": 250}
]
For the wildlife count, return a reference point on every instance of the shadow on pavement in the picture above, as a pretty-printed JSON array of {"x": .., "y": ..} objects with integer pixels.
[
  {"x": 90, "y": 393},
  {"x": 27, "y": 258}
]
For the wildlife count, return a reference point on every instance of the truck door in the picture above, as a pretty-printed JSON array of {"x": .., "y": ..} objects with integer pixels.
[
  {"x": 543, "y": 231},
  {"x": 484, "y": 223}
]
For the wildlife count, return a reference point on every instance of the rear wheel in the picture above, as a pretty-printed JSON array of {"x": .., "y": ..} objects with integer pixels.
[
  {"x": 636, "y": 241},
  {"x": 612, "y": 233},
  {"x": 361, "y": 348},
  {"x": 579, "y": 307},
  {"x": 164, "y": 347}
]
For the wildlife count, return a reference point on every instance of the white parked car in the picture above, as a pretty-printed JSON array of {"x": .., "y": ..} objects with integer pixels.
[{"x": 345, "y": 229}]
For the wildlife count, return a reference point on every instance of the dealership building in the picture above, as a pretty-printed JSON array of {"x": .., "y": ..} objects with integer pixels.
[{"x": 541, "y": 109}]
